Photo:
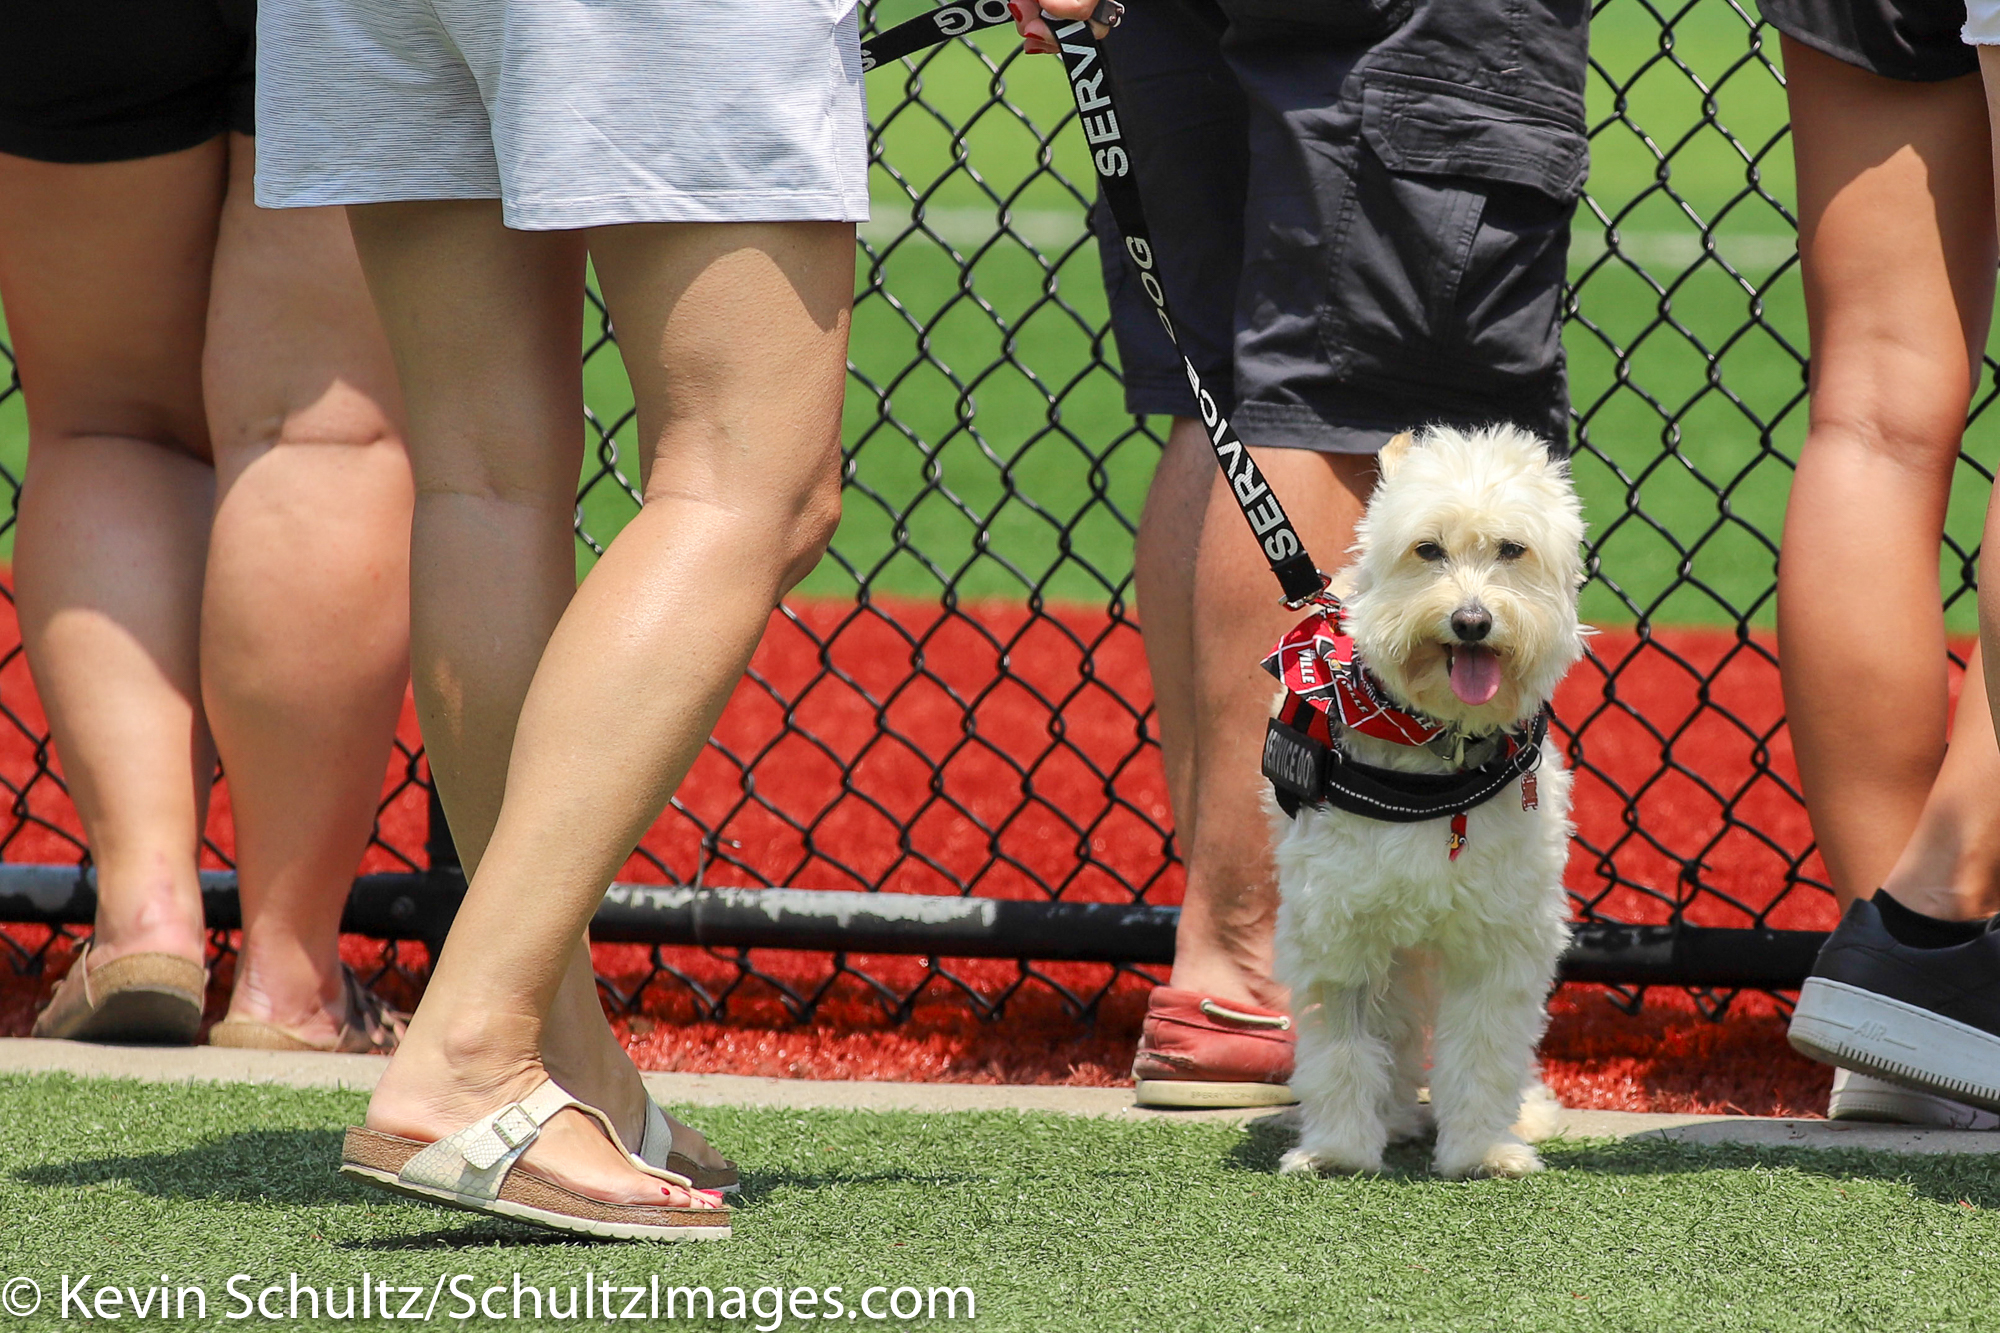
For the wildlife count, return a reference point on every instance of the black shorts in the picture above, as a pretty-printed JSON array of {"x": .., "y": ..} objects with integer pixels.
[
  {"x": 1358, "y": 234},
  {"x": 1915, "y": 41},
  {"x": 111, "y": 80}
]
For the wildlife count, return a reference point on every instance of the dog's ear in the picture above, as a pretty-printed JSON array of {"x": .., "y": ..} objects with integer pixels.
[{"x": 1391, "y": 456}]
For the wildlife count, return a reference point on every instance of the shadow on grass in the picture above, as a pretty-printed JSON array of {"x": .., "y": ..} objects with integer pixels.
[
  {"x": 756, "y": 1188},
  {"x": 299, "y": 1166},
  {"x": 474, "y": 1235},
  {"x": 1944, "y": 1178},
  {"x": 1972, "y": 1179},
  {"x": 262, "y": 1165},
  {"x": 1264, "y": 1141}
]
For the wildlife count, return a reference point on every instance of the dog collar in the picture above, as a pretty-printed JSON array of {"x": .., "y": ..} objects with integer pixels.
[
  {"x": 1320, "y": 667},
  {"x": 1329, "y": 690}
]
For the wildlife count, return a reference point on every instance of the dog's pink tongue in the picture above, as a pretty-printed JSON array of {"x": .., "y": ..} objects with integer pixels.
[{"x": 1475, "y": 673}]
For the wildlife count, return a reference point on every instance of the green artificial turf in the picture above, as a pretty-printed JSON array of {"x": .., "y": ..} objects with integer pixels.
[
  {"x": 1053, "y": 1223},
  {"x": 990, "y": 451}
]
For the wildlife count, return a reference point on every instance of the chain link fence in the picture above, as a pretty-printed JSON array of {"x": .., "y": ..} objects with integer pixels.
[{"x": 955, "y": 704}]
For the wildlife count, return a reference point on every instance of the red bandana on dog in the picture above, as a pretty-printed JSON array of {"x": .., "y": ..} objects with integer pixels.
[
  {"x": 1315, "y": 662},
  {"x": 1326, "y": 683}
]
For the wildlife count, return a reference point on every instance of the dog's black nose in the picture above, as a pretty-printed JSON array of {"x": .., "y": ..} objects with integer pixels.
[{"x": 1471, "y": 623}]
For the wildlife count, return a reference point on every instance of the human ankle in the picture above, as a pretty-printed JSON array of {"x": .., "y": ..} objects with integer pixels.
[
  {"x": 604, "y": 1076},
  {"x": 183, "y": 941},
  {"x": 289, "y": 989},
  {"x": 1231, "y": 984},
  {"x": 476, "y": 1056},
  {"x": 425, "y": 1092},
  {"x": 1924, "y": 927}
]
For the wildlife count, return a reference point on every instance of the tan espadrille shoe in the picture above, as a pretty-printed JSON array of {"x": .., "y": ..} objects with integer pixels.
[
  {"x": 474, "y": 1169},
  {"x": 145, "y": 998},
  {"x": 372, "y": 1026}
]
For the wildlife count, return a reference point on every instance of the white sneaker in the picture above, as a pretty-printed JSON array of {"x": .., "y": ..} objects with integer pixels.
[{"x": 1859, "y": 1097}]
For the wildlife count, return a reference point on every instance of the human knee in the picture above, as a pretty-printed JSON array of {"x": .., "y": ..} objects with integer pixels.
[
  {"x": 1918, "y": 433},
  {"x": 815, "y": 520},
  {"x": 337, "y": 416},
  {"x": 780, "y": 508},
  {"x": 60, "y": 437},
  {"x": 495, "y": 470}
]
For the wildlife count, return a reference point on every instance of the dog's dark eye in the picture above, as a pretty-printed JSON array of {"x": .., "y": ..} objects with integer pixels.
[
  {"x": 1512, "y": 550},
  {"x": 1429, "y": 551}
]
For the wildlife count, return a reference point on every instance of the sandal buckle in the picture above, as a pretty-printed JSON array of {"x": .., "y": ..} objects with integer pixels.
[
  {"x": 514, "y": 1126},
  {"x": 511, "y": 1127}
]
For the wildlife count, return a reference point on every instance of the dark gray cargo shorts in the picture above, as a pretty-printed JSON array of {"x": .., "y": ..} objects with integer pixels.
[
  {"x": 1914, "y": 41},
  {"x": 1361, "y": 210}
]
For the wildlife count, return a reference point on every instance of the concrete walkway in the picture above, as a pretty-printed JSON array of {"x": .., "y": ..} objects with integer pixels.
[{"x": 203, "y": 1064}]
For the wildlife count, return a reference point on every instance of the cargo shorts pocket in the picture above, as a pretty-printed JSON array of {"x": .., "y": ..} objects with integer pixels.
[{"x": 1446, "y": 260}]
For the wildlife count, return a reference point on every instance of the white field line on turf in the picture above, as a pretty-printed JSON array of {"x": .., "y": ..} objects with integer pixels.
[{"x": 1054, "y": 229}]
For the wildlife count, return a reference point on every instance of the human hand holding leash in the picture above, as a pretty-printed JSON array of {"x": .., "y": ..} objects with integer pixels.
[{"x": 1038, "y": 39}]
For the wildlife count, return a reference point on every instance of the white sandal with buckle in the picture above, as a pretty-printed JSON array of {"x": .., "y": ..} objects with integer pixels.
[
  {"x": 656, "y": 1151},
  {"x": 474, "y": 1169}
]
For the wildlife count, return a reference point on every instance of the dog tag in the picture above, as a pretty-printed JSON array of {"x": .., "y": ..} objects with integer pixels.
[
  {"x": 1294, "y": 762},
  {"x": 1529, "y": 801}
]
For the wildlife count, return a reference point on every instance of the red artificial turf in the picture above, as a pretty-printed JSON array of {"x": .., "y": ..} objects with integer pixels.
[{"x": 894, "y": 746}]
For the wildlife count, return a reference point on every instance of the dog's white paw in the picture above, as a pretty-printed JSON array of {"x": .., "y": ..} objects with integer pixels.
[
  {"x": 1541, "y": 1114},
  {"x": 1509, "y": 1158},
  {"x": 1300, "y": 1161},
  {"x": 1512, "y": 1160}
]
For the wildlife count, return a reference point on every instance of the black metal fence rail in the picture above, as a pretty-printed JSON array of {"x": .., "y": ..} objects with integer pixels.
[
  {"x": 419, "y": 907},
  {"x": 992, "y": 490}
]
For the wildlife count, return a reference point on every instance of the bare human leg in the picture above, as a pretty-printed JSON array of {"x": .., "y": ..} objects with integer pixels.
[
  {"x": 1211, "y": 611},
  {"x": 498, "y": 535},
  {"x": 106, "y": 300},
  {"x": 1896, "y": 235},
  {"x": 305, "y": 619},
  {"x": 740, "y": 419},
  {"x": 1951, "y": 867},
  {"x": 1989, "y": 588}
]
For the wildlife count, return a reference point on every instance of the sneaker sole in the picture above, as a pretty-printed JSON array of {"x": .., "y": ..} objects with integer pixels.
[
  {"x": 1839, "y": 1024},
  {"x": 1884, "y": 1103},
  {"x": 1187, "y": 1094}
]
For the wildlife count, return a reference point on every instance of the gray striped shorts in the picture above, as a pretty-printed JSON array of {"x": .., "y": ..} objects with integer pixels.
[{"x": 573, "y": 113}]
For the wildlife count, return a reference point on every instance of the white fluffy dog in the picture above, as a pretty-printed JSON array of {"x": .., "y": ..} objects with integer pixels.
[{"x": 1461, "y": 601}]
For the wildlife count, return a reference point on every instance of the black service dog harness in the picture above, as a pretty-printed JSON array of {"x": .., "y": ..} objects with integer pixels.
[{"x": 1329, "y": 690}]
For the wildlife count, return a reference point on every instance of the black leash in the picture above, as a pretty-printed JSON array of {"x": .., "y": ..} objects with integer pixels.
[
  {"x": 1097, "y": 107},
  {"x": 940, "y": 25}
]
